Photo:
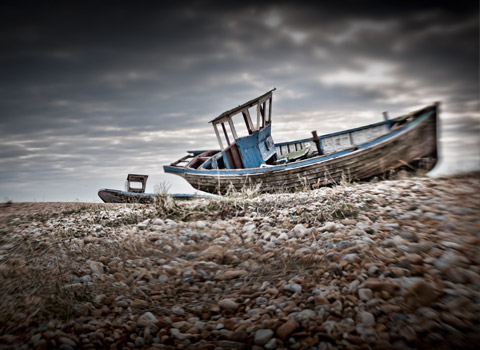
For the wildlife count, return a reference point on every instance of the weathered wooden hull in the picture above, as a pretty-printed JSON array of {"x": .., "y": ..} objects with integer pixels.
[
  {"x": 117, "y": 196},
  {"x": 414, "y": 147}
]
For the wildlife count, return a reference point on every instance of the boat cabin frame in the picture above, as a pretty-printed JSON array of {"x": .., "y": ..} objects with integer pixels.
[
  {"x": 255, "y": 149},
  {"x": 136, "y": 178}
]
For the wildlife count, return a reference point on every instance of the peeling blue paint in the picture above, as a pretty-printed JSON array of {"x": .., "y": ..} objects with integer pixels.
[{"x": 256, "y": 148}]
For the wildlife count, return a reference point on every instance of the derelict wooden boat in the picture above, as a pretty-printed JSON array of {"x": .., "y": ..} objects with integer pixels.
[
  {"x": 117, "y": 196},
  {"x": 137, "y": 194},
  {"x": 408, "y": 141},
  {"x": 134, "y": 191}
]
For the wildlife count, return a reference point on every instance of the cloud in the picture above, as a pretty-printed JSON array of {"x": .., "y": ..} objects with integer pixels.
[{"x": 373, "y": 74}]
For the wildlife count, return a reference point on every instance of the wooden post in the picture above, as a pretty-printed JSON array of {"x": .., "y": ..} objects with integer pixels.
[
  {"x": 258, "y": 116},
  {"x": 232, "y": 127},
  {"x": 218, "y": 136},
  {"x": 264, "y": 116},
  {"x": 248, "y": 122},
  {"x": 269, "y": 110},
  {"x": 226, "y": 134},
  {"x": 316, "y": 140},
  {"x": 385, "y": 117}
]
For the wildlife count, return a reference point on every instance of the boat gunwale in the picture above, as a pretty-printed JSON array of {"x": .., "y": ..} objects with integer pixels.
[
  {"x": 135, "y": 194},
  {"x": 326, "y": 136}
]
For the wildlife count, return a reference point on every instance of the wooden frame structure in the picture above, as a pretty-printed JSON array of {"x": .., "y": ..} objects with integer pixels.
[
  {"x": 264, "y": 118},
  {"x": 139, "y": 179}
]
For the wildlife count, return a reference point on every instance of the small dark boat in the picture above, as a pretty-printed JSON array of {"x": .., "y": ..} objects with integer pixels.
[
  {"x": 135, "y": 194},
  {"x": 253, "y": 159}
]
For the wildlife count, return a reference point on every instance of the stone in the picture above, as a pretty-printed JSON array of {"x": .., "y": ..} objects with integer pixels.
[
  {"x": 201, "y": 224},
  {"x": 177, "y": 310},
  {"x": 373, "y": 270},
  {"x": 328, "y": 227},
  {"x": 272, "y": 344},
  {"x": 303, "y": 316},
  {"x": 300, "y": 231},
  {"x": 231, "y": 274},
  {"x": 334, "y": 268},
  {"x": 456, "y": 274},
  {"x": 158, "y": 222},
  {"x": 65, "y": 347},
  {"x": 427, "y": 313},
  {"x": 96, "y": 267},
  {"x": 389, "y": 308},
  {"x": 420, "y": 247},
  {"x": 343, "y": 244},
  {"x": 414, "y": 258},
  {"x": 365, "y": 294},
  {"x": 284, "y": 331},
  {"x": 214, "y": 252},
  {"x": 351, "y": 258},
  {"x": 283, "y": 236},
  {"x": 263, "y": 336},
  {"x": 294, "y": 288},
  {"x": 119, "y": 276},
  {"x": 366, "y": 318},
  {"x": 408, "y": 333},
  {"x": 139, "y": 303},
  {"x": 228, "y": 304},
  {"x": 147, "y": 319},
  {"x": 261, "y": 301},
  {"x": 337, "y": 308},
  {"x": 348, "y": 222},
  {"x": 397, "y": 240},
  {"x": 381, "y": 285},
  {"x": 139, "y": 342},
  {"x": 249, "y": 226},
  {"x": 68, "y": 341},
  {"x": 409, "y": 236},
  {"x": 353, "y": 286},
  {"x": 421, "y": 293},
  {"x": 447, "y": 260},
  {"x": 231, "y": 345},
  {"x": 398, "y": 272},
  {"x": 179, "y": 335},
  {"x": 453, "y": 321}
]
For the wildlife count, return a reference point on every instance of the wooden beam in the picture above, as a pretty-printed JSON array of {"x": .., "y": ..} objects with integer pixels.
[
  {"x": 264, "y": 105},
  {"x": 226, "y": 134},
  {"x": 248, "y": 122},
  {"x": 232, "y": 127},
  {"x": 248, "y": 104},
  {"x": 218, "y": 136},
  {"x": 270, "y": 110},
  {"x": 258, "y": 117}
]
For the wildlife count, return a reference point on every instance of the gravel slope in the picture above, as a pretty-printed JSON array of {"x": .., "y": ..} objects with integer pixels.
[{"x": 388, "y": 265}]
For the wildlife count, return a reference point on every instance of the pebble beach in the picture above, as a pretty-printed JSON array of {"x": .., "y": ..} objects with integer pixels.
[{"x": 380, "y": 265}]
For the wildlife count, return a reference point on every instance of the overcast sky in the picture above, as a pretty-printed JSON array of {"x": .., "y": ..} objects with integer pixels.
[{"x": 94, "y": 91}]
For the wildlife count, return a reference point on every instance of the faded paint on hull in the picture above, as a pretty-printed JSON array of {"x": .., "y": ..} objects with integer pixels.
[
  {"x": 407, "y": 147},
  {"x": 117, "y": 196}
]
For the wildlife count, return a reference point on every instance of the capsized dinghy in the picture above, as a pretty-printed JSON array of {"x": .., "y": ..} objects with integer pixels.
[{"x": 408, "y": 141}]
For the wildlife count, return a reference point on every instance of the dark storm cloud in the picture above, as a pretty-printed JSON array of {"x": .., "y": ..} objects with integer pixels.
[{"x": 99, "y": 87}]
